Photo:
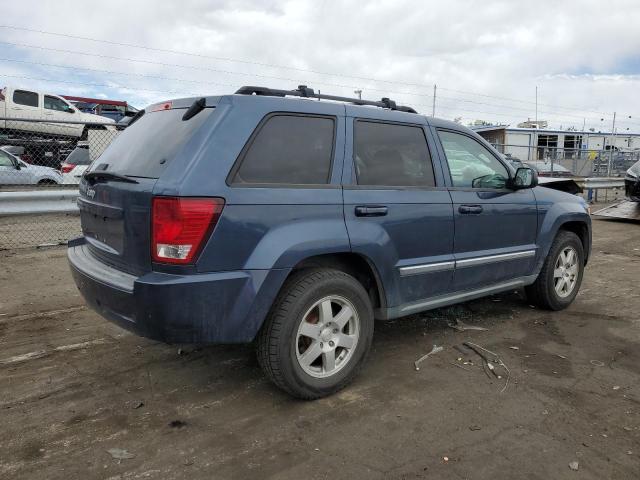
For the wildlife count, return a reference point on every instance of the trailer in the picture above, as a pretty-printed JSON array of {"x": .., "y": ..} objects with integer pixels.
[{"x": 626, "y": 210}]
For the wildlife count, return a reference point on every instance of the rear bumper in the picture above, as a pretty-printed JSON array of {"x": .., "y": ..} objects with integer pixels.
[{"x": 221, "y": 307}]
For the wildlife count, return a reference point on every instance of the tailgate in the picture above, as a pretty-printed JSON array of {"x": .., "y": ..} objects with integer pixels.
[{"x": 115, "y": 221}]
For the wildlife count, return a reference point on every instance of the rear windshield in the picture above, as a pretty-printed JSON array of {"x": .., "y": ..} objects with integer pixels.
[
  {"x": 148, "y": 146},
  {"x": 79, "y": 156}
]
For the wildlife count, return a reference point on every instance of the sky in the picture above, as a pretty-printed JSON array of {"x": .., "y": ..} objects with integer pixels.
[{"x": 486, "y": 57}]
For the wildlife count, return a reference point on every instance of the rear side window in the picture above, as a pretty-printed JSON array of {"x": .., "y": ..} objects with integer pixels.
[
  {"x": 23, "y": 97},
  {"x": 289, "y": 149},
  {"x": 392, "y": 155},
  {"x": 149, "y": 145},
  {"x": 79, "y": 156}
]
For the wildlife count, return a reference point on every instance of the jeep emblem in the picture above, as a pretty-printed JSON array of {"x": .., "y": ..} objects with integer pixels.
[{"x": 91, "y": 192}]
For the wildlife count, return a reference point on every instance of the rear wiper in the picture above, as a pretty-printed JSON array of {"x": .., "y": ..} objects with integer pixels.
[
  {"x": 195, "y": 108},
  {"x": 116, "y": 177}
]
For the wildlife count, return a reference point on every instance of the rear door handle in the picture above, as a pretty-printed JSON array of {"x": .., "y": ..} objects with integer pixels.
[
  {"x": 470, "y": 209},
  {"x": 377, "y": 211}
]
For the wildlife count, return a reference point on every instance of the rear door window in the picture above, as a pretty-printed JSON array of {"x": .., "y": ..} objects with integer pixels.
[
  {"x": 288, "y": 149},
  {"x": 149, "y": 145},
  {"x": 392, "y": 155},
  {"x": 23, "y": 97}
]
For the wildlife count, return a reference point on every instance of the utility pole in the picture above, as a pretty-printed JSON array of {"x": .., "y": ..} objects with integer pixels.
[
  {"x": 612, "y": 144},
  {"x": 536, "y": 104},
  {"x": 433, "y": 109},
  {"x": 359, "y": 93}
]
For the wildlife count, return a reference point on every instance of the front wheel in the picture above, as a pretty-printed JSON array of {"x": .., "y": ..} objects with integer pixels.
[
  {"x": 317, "y": 334},
  {"x": 559, "y": 281}
]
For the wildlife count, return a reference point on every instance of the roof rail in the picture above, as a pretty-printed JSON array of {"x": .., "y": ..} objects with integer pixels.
[{"x": 306, "y": 92}]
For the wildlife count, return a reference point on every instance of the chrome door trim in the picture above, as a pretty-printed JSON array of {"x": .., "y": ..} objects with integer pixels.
[
  {"x": 427, "y": 268},
  {"x": 474, "y": 262},
  {"x": 467, "y": 262}
]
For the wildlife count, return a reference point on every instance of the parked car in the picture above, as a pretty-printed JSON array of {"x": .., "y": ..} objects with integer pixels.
[
  {"x": 632, "y": 182},
  {"x": 294, "y": 223},
  {"x": 75, "y": 164},
  {"x": 113, "y": 109},
  {"x": 14, "y": 171},
  {"x": 28, "y": 104},
  {"x": 545, "y": 169}
]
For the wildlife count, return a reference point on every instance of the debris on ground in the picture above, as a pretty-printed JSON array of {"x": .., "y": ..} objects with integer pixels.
[
  {"x": 177, "y": 424},
  {"x": 573, "y": 465},
  {"x": 596, "y": 363},
  {"x": 491, "y": 361},
  {"x": 433, "y": 351},
  {"x": 514, "y": 348},
  {"x": 138, "y": 405},
  {"x": 120, "y": 454},
  {"x": 474, "y": 428},
  {"x": 460, "y": 326}
]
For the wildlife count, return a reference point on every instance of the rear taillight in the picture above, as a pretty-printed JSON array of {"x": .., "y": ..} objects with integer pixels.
[
  {"x": 66, "y": 167},
  {"x": 180, "y": 226}
]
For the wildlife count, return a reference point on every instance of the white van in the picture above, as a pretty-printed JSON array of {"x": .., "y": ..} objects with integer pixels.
[{"x": 29, "y": 104}]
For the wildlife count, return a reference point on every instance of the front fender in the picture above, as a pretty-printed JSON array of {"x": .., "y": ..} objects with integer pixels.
[{"x": 554, "y": 210}]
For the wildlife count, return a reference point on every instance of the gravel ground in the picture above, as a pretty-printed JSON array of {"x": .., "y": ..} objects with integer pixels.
[{"x": 73, "y": 387}]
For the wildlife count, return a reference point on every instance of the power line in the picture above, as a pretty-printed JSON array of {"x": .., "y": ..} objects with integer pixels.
[
  {"x": 196, "y": 67},
  {"x": 456, "y": 99},
  {"x": 285, "y": 67},
  {"x": 108, "y": 85}
]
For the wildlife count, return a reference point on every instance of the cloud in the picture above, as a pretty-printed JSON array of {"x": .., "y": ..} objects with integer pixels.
[{"x": 486, "y": 57}]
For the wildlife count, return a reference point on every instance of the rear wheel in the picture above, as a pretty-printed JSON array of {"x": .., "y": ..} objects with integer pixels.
[
  {"x": 559, "y": 281},
  {"x": 317, "y": 334}
]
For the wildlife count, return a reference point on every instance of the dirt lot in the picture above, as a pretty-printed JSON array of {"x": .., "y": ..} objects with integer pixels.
[{"x": 73, "y": 386}]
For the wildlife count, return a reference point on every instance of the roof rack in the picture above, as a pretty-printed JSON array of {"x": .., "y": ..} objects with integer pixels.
[{"x": 306, "y": 92}]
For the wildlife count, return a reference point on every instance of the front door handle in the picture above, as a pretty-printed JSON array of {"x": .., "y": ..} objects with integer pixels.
[
  {"x": 377, "y": 211},
  {"x": 470, "y": 209}
]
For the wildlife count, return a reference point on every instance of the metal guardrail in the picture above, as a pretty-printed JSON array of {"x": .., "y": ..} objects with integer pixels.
[
  {"x": 37, "y": 202},
  {"x": 594, "y": 183}
]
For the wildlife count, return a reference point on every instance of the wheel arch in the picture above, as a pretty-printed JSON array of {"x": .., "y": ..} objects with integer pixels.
[
  {"x": 581, "y": 229},
  {"x": 354, "y": 264}
]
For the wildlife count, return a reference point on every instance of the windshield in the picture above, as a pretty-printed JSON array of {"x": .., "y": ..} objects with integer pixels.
[{"x": 147, "y": 147}]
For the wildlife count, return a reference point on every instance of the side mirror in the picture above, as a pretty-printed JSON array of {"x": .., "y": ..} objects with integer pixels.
[
  {"x": 525, "y": 177},
  {"x": 70, "y": 110},
  {"x": 18, "y": 166}
]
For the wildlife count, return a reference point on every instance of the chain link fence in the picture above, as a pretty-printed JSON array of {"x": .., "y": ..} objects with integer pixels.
[{"x": 39, "y": 155}]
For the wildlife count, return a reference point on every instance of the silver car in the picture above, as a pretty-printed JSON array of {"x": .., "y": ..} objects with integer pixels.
[{"x": 14, "y": 171}]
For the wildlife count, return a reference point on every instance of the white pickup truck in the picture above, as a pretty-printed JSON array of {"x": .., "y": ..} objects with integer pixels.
[{"x": 20, "y": 103}]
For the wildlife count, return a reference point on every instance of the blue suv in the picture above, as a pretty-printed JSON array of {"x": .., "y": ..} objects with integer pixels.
[{"x": 273, "y": 217}]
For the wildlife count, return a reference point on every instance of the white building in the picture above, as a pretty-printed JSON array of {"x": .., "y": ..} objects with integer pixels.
[{"x": 539, "y": 144}]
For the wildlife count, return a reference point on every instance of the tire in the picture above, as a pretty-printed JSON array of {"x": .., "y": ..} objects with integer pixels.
[
  {"x": 544, "y": 292},
  {"x": 301, "y": 323},
  {"x": 47, "y": 182}
]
